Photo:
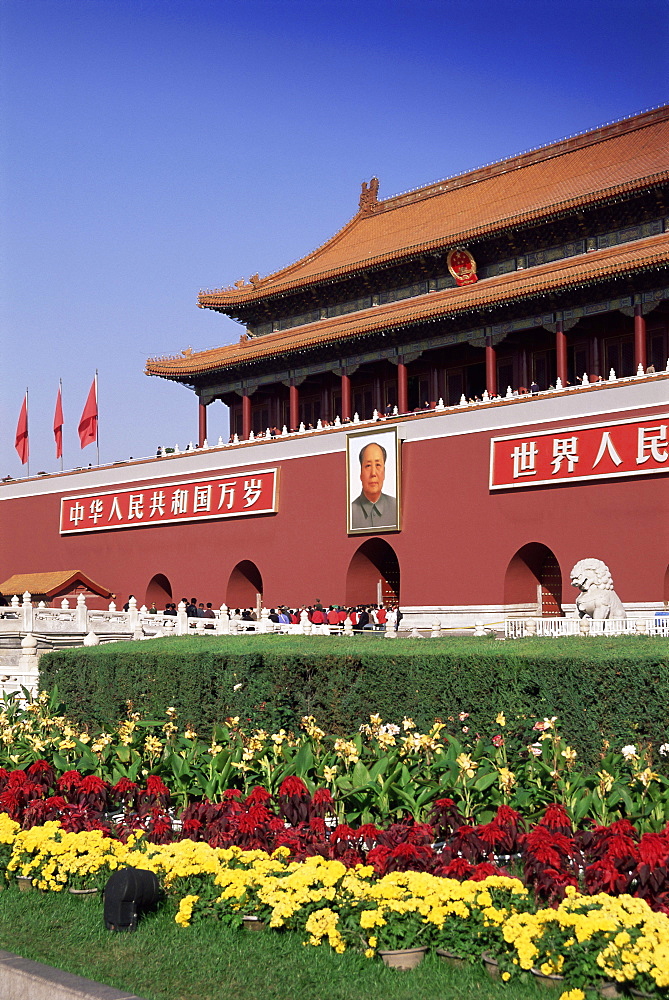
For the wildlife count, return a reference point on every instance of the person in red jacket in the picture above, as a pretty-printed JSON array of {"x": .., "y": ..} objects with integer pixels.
[{"x": 318, "y": 616}]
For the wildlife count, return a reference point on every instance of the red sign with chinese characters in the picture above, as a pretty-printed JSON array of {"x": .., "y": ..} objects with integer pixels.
[
  {"x": 158, "y": 503},
  {"x": 595, "y": 451}
]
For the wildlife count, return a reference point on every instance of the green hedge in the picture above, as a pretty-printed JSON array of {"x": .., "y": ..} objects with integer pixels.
[{"x": 599, "y": 688}]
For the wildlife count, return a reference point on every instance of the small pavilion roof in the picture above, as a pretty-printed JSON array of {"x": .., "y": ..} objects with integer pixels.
[
  {"x": 618, "y": 261},
  {"x": 584, "y": 170},
  {"x": 49, "y": 583}
]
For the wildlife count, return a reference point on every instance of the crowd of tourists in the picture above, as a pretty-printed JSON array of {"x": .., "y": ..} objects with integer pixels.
[
  {"x": 371, "y": 617},
  {"x": 362, "y": 616}
]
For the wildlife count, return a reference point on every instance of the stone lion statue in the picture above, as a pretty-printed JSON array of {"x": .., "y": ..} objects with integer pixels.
[{"x": 597, "y": 599}]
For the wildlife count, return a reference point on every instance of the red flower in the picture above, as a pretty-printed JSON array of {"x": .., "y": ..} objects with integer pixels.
[
  {"x": 292, "y": 785},
  {"x": 654, "y": 849},
  {"x": 42, "y": 772},
  {"x": 69, "y": 781},
  {"x": 483, "y": 870},
  {"x": 156, "y": 786},
  {"x": 458, "y": 868},
  {"x": 556, "y": 818},
  {"x": 17, "y": 779},
  {"x": 506, "y": 816},
  {"x": 257, "y": 796},
  {"x": 11, "y": 802},
  {"x": 126, "y": 791}
]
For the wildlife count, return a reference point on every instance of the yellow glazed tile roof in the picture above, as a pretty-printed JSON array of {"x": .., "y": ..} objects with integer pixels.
[
  {"x": 620, "y": 260},
  {"x": 46, "y": 583},
  {"x": 586, "y": 169}
]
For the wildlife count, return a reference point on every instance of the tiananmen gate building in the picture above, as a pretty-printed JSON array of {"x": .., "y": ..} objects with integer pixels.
[{"x": 497, "y": 341}]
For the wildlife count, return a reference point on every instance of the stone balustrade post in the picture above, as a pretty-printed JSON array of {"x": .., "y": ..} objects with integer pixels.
[
  {"x": 82, "y": 614},
  {"x": 27, "y": 612},
  {"x": 305, "y": 624},
  {"x": 182, "y": 619},
  {"x": 436, "y": 629},
  {"x": 133, "y": 615},
  {"x": 28, "y": 663},
  {"x": 223, "y": 626}
]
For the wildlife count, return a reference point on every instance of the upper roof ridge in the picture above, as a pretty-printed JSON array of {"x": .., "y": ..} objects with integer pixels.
[{"x": 533, "y": 155}]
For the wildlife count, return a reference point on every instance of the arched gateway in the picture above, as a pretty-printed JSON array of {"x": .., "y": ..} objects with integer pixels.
[
  {"x": 373, "y": 574},
  {"x": 244, "y": 585},
  {"x": 533, "y": 577},
  {"x": 158, "y": 591}
]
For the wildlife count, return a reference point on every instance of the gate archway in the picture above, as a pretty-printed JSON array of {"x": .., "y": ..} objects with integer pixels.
[
  {"x": 533, "y": 577},
  {"x": 244, "y": 584},
  {"x": 373, "y": 574},
  {"x": 158, "y": 591}
]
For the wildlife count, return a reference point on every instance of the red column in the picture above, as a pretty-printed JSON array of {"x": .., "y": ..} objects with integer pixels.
[
  {"x": 202, "y": 425},
  {"x": 294, "y": 408},
  {"x": 345, "y": 396},
  {"x": 561, "y": 351},
  {"x": 246, "y": 417},
  {"x": 434, "y": 384},
  {"x": 402, "y": 388},
  {"x": 377, "y": 394},
  {"x": 639, "y": 339},
  {"x": 490, "y": 367}
]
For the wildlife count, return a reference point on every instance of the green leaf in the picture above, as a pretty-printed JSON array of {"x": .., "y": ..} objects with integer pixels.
[
  {"x": 485, "y": 781},
  {"x": 304, "y": 760},
  {"x": 360, "y": 775},
  {"x": 581, "y": 808}
]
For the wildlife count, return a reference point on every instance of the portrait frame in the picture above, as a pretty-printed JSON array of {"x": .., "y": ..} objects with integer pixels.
[{"x": 388, "y": 439}]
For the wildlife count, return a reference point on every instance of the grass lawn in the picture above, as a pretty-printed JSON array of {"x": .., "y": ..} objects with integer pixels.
[{"x": 162, "y": 961}]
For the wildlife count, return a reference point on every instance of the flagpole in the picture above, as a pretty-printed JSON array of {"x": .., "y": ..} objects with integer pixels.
[
  {"x": 28, "y": 432},
  {"x": 60, "y": 389},
  {"x": 97, "y": 422}
]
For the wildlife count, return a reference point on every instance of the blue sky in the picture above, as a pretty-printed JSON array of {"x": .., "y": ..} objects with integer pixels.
[{"x": 155, "y": 147}]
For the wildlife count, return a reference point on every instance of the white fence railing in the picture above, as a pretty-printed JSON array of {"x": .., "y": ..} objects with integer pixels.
[
  {"x": 22, "y": 618},
  {"x": 518, "y": 628}
]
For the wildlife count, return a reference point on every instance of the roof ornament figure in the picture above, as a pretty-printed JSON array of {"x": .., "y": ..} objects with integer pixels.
[{"x": 369, "y": 197}]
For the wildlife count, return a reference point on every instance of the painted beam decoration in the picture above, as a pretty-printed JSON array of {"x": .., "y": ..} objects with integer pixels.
[
  {"x": 242, "y": 495},
  {"x": 574, "y": 454}
]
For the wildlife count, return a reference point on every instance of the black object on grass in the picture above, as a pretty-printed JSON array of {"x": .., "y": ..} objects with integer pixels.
[{"x": 128, "y": 893}]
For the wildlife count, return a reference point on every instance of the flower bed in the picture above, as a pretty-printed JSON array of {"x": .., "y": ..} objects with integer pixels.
[
  {"x": 550, "y": 855},
  {"x": 585, "y": 939},
  {"x": 389, "y": 839},
  {"x": 377, "y": 775}
]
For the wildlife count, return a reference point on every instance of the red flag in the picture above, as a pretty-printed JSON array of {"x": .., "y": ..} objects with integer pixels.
[
  {"x": 88, "y": 425},
  {"x": 58, "y": 423},
  {"x": 21, "y": 442}
]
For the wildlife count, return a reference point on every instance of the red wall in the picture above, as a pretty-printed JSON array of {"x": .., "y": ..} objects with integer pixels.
[{"x": 456, "y": 543}]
